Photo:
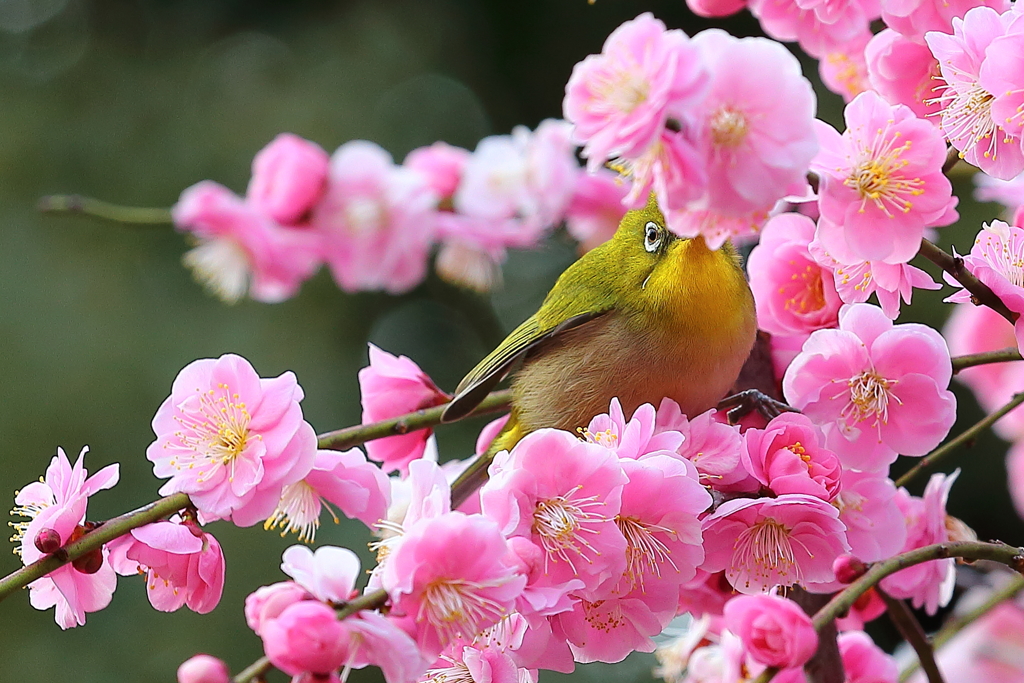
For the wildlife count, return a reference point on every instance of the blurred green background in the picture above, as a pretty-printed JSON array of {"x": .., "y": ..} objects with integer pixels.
[{"x": 132, "y": 101}]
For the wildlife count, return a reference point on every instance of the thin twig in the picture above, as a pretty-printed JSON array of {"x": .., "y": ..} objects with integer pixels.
[
  {"x": 343, "y": 439},
  {"x": 73, "y": 203},
  {"x": 842, "y": 601},
  {"x": 980, "y": 292},
  {"x": 966, "y": 436},
  {"x": 957, "y": 624},
  {"x": 108, "y": 531},
  {"x": 973, "y": 359},
  {"x": 910, "y": 628},
  {"x": 255, "y": 671}
]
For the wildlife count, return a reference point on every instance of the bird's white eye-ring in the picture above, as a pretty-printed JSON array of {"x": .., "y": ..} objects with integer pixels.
[{"x": 652, "y": 237}]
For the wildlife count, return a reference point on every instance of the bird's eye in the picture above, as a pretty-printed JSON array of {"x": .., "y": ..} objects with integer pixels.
[{"x": 652, "y": 237}]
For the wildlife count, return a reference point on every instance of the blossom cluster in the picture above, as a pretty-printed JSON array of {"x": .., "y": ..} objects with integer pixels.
[{"x": 374, "y": 223}]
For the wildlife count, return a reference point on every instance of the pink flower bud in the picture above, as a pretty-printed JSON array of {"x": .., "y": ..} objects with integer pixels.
[
  {"x": 267, "y": 602},
  {"x": 848, "y": 568},
  {"x": 306, "y": 636},
  {"x": 774, "y": 630},
  {"x": 203, "y": 669},
  {"x": 288, "y": 177},
  {"x": 47, "y": 541}
]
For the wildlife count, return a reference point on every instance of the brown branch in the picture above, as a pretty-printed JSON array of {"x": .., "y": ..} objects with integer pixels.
[
  {"x": 980, "y": 292},
  {"x": 910, "y": 628},
  {"x": 970, "y": 360}
]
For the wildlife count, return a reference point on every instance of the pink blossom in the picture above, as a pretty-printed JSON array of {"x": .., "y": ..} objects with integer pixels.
[
  {"x": 267, "y": 602},
  {"x": 766, "y": 542},
  {"x": 633, "y": 439},
  {"x": 562, "y": 494},
  {"x": 715, "y": 226},
  {"x": 241, "y": 249},
  {"x": 454, "y": 575},
  {"x": 820, "y": 26},
  {"x": 713, "y": 447},
  {"x": 914, "y": 18},
  {"x": 996, "y": 260},
  {"x": 881, "y": 183},
  {"x": 596, "y": 209},
  {"x": 477, "y": 662},
  {"x": 203, "y": 669},
  {"x": 329, "y": 574},
  {"x": 876, "y": 389},
  {"x": 843, "y": 68},
  {"x": 1009, "y": 193},
  {"x": 1002, "y": 74},
  {"x": 671, "y": 168},
  {"x": 306, "y": 637},
  {"x": 183, "y": 565},
  {"x": 864, "y": 610},
  {"x": 985, "y": 650},
  {"x": 288, "y": 177},
  {"x": 787, "y": 456},
  {"x": 231, "y": 440},
  {"x": 754, "y": 126},
  {"x": 376, "y": 221},
  {"x": 875, "y": 526},
  {"x": 391, "y": 386},
  {"x": 442, "y": 164},
  {"x": 977, "y": 329},
  {"x": 794, "y": 293},
  {"x": 715, "y": 8},
  {"x": 865, "y": 662},
  {"x": 620, "y": 100},
  {"x": 968, "y": 119},
  {"x": 903, "y": 71},
  {"x": 358, "y": 488},
  {"x": 889, "y": 282},
  {"x": 774, "y": 630},
  {"x": 58, "y": 503},
  {"x": 929, "y": 584}
]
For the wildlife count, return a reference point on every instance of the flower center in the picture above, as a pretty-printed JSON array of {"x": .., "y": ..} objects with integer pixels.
[
  {"x": 807, "y": 292},
  {"x": 765, "y": 551},
  {"x": 457, "y": 608},
  {"x": 644, "y": 551},
  {"x": 607, "y": 437},
  {"x": 869, "y": 397},
  {"x": 222, "y": 266},
  {"x": 1006, "y": 255},
  {"x": 559, "y": 524},
  {"x": 30, "y": 510},
  {"x": 622, "y": 90},
  {"x": 967, "y": 117},
  {"x": 601, "y": 617},
  {"x": 298, "y": 510},
  {"x": 728, "y": 127},
  {"x": 215, "y": 431},
  {"x": 456, "y": 672},
  {"x": 878, "y": 176}
]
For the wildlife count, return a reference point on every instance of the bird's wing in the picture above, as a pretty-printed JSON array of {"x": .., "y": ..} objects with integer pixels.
[{"x": 475, "y": 386}]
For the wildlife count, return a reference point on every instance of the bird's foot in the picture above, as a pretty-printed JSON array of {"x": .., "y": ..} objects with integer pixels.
[{"x": 742, "y": 404}]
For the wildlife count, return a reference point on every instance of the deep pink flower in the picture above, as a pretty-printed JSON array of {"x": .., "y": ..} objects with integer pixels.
[
  {"x": 620, "y": 100},
  {"x": 376, "y": 220},
  {"x": 820, "y": 26},
  {"x": 203, "y": 669},
  {"x": 996, "y": 260},
  {"x": 288, "y": 177},
  {"x": 889, "y": 282},
  {"x": 442, "y": 164},
  {"x": 843, "y": 68},
  {"x": 903, "y": 72},
  {"x": 787, "y": 456},
  {"x": 183, "y": 565},
  {"x": 266, "y": 602},
  {"x": 241, "y": 249},
  {"x": 476, "y": 662},
  {"x": 715, "y": 8},
  {"x": 391, "y": 386},
  {"x": 754, "y": 125},
  {"x": 876, "y": 389},
  {"x": 230, "y": 439},
  {"x": 794, "y": 293},
  {"x": 914, "y": 18},
  {"x": 929, "y": 584},
  {"x": 968, "y": 119},
  {"x": 977, "y": 329},
  {"x": 875, "y": 526},
  {"x": 58, "y": 503},
  {"x": 713, "y": 447},
  {"x": 865, "y": 662},
  {"x": 632, "y": 439},
  {"x": 562, "y": 494},
  {"x": 766, "y": 542},
  {"x": 596, "y": 209},
  {"x": 671, "y": 168},
  {"x": 774, "y": 631},
  {"x": 358, "y": 488},
  {"x": 1002, "y": 74},
  {"x": 454, "y": 575},
  {"x": 881, "y": 183},
  {"x": 307, "y": 637}
]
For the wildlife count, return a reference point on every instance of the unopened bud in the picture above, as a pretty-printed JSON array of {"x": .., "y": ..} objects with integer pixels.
[
  {"x": 47, "y": 541},
  {"x": 848, "y": 568},
  {"x": 203, "y": 669},
  {"x": 89, "y": 563}
]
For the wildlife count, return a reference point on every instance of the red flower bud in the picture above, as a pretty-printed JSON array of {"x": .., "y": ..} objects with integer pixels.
[{"x": 47, "y": 541}]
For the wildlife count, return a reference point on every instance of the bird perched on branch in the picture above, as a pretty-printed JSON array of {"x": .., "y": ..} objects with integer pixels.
[{"x": 644, "y": 316}]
